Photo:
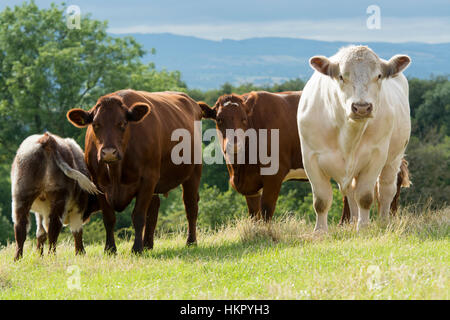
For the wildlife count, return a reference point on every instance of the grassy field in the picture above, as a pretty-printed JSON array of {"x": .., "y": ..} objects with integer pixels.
[{"x": 407, "y": 259}]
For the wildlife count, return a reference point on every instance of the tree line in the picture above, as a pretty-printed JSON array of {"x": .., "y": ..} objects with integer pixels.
[{"x": 46, "y": 69}]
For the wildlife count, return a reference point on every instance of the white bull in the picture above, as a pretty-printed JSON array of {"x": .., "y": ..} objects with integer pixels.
[{"x": 354, "y": 126}]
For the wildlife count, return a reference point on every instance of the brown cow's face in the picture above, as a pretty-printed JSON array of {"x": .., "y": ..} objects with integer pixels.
[
  {"x": 110, "y": 127},
  {"x": 231, "y": 114},
  {"x": 110, "y": 120}
]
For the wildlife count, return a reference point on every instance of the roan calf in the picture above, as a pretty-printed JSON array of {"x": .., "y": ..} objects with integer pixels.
[{"x": 50, "y": 178}]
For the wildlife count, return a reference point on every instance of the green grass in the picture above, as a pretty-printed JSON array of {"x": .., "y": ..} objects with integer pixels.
[{"x": 407, "y": 259}]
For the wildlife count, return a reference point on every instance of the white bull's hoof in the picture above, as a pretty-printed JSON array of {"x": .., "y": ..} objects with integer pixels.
[
  {"x": 320, "y": 230},
  {"x": 362, "y": 225},
  {"x": 383, "y": 221}
]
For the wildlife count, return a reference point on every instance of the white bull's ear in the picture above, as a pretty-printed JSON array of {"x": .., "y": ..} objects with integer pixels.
[
  {"x": 325, "y": 66},
  {"x": 395, "y": 65}
]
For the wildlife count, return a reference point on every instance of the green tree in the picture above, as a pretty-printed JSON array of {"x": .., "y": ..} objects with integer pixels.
[
  {"x": 429, "y": 164},
  {"x": 434, "y": 112}
]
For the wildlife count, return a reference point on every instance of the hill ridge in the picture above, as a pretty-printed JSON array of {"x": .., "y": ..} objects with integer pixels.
[{"x": 207, "y": 64}]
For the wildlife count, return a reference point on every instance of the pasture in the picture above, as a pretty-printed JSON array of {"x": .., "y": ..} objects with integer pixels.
[{"x": 406, "y": 259}]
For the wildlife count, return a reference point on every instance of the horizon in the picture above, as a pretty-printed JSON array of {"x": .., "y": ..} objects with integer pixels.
[{"x": 271, "y": 37}]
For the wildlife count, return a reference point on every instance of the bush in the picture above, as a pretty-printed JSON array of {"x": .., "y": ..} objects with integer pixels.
[
  {"x": 216, "y": 208},
  {"x": 6, "y": 230},
  {"x": 429, "y": 165},
  {"x": 94, "y": 231}
]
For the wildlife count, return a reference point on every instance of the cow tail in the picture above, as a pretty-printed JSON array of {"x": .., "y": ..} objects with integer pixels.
[
  {"x": 84, "y": 182},
  {"x": 404, "y": 174},
  {"x": 49, "y": 144}
]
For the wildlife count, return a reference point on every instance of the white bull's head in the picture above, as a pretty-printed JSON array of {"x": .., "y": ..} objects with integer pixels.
[{"x": 359, "y": 73}]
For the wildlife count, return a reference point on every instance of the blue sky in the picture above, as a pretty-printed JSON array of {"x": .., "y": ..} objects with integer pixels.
[{"x": 401, "y": 21}]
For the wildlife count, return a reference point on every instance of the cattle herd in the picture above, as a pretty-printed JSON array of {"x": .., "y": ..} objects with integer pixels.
[{"x": 351, "y": 123}]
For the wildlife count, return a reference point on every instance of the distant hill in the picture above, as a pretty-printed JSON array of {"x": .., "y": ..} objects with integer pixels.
[{"x": 207, "y": 64}]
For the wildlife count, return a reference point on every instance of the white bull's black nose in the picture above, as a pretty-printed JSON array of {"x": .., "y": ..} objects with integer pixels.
[{"x": 362, "y": 109}]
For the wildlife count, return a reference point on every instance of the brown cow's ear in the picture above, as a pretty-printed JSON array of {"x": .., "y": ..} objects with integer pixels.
[
  {"x": 79, "y": 117},
  {"x": 325, "y": 66},
  {"x": 207, "y": 111},
  {"x": 395, "y": 65},
  {"x": 138, "y": 112},
  {"x": 250, "y": 103}
]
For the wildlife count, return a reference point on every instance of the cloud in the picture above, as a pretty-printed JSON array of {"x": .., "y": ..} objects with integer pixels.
[{"x": 393, "y": 29}]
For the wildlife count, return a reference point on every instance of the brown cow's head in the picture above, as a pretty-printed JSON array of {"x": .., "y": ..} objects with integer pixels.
[
  {"x": 110, "y": 120},
  {"x": 231, "y": 111}
]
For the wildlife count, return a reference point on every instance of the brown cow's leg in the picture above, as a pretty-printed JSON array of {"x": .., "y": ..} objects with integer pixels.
[
  {"x": 109, "y": 221},
  {"x": 21, "y": 210},
  {"x": 394, "y": 203},
  {"x": 190, "y": 199},
  {"x": 58, "y": 204},
  {"x": 139, "y": 214},
  {"x": 41, "y": 234},
  {"x": 253, "y": 204},
  {"x": 40, "y": 243},
  {"x": 269, "y": 198},
  {"x": 345, "y": 218},
  {"x": 78, "y": 239},
  {"x": 150, "y": 223},
  {"x": 54, "y": 229}
]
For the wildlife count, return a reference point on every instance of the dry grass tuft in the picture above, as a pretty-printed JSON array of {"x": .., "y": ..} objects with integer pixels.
[
  {"x": 5, "y": 283},
  {"x": 425, "y": 223},
  {"x": 286, "y": 229}
]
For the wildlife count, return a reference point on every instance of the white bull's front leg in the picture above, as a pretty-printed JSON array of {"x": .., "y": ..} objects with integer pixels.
[
  {"x": 322, "y": 192},
  {"x": 364, "y": 192}
]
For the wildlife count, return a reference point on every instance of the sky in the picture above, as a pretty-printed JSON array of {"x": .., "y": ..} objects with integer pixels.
[{"x": 399, "y": 21}]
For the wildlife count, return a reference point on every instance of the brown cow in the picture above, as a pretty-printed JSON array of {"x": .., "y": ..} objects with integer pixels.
[
  {"x": 49, "y": 177},
  {"x": 260, "y": 110},
  {"x": 128, "y": 152}
]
